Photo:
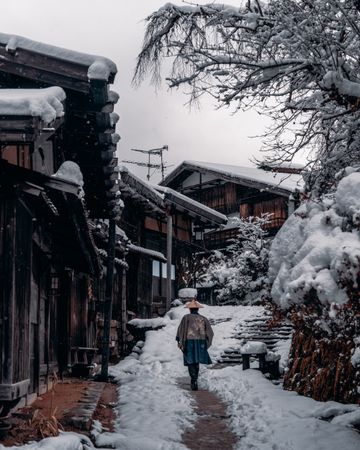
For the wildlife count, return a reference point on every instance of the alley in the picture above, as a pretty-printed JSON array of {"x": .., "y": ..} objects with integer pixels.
[{"x": 157, "y": 411}]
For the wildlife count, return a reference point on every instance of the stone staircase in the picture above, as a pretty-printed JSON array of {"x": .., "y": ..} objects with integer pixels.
[{"x": 256, "y": 329}]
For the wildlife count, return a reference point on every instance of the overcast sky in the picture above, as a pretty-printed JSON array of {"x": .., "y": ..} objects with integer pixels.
[{"x": 115, "y": 28}]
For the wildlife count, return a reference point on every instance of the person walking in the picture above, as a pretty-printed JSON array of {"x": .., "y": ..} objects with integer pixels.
[{"x": 194, "y": 337}]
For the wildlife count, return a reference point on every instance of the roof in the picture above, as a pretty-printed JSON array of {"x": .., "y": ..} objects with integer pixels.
[
  {"x": 43, "y": 103},
  {"x": 139, "y": 190},
  {"x": 194, "y": 208},
  {"x": 280, "y": 183},
  {"x": 98, "y": 67},
  {"x": 90, "y": 122},
  {"x": 160, "y": 196}
]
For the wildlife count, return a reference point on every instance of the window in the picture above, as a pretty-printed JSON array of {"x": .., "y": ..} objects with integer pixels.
[
  {"x": 19, "y": 155},
  {"x": 156, "y": 269},
  {"x": 159, "y": 270}
]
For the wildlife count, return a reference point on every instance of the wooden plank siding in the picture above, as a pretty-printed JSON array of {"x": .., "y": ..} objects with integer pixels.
[
  {"x": 276, "y": 206},
  {"x": 222, "y": 198},
  {"x": 181, "y": 226}
]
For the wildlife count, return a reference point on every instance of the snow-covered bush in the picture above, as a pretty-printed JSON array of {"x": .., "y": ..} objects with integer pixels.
[
  {"x": 239, "y": 272},
  {"x": 315, "y": 257},
  {"x": 315, "y": 275}
]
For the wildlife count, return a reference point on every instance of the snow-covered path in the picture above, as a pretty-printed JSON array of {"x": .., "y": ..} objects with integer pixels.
[{"x": 154, "y": 410}]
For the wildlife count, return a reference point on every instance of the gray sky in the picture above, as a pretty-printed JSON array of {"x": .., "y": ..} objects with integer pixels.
[{"x": 115, "y": 28}]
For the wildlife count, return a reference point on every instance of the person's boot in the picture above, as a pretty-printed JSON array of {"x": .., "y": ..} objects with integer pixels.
[{"x": 194, "y": 385}]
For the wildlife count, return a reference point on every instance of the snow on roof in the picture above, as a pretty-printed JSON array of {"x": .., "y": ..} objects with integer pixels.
[
  {"x": 145, "y": 184},
  {"x": 166, "y": 190},
  {"x": 148, "y": 252},
  {"x": 288, "y": 182},
  {"x": 44, "y": 103},
  {"x": 99, "y": 68}
]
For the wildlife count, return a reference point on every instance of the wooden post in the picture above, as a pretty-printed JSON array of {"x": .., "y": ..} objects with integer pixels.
[
  {"x": 108, "y": 300},
  {"x": 123, "y": 312},
  {"x": 168, "y": 259}
]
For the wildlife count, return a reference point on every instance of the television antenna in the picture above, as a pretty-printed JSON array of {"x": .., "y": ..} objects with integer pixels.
[{"x": 149, "y": 164}]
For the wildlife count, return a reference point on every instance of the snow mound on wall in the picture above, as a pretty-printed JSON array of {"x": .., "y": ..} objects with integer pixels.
[
  {"x": 70, "y": 171},
  {"x": 318, "y": 249},
  {"x": 44, "y": 103}
]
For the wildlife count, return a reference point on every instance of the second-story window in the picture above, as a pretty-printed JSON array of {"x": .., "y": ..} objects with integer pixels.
[{"x": 17, "y": 154}]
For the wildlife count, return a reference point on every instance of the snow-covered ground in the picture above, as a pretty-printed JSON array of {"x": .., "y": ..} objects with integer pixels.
[{"x": 153, "y": 410}]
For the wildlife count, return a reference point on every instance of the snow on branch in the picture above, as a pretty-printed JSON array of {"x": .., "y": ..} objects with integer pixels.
[{"x": 296, "y": 60}]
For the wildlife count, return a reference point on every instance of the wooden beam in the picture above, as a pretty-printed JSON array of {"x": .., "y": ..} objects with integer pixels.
[{"x": 42, "y": 76}]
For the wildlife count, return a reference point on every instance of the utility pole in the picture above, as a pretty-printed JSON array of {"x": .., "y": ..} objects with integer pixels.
[{"x": 149, "y": 164}]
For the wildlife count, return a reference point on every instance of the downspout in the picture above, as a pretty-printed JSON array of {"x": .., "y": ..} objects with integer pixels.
[{"x": 108, "y": 300}]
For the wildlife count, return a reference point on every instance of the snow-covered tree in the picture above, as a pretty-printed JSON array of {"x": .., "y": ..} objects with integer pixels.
[
  {"x": 296, "y": 60},
  {"x": 239, "y": 272}
]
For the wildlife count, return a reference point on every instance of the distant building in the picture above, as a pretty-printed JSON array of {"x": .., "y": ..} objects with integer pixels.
[
  {"x": 238, "y": 192},
  {"x": 148, "y": 215}
]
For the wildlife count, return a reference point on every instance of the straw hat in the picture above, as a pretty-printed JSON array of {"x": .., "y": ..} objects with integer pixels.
[{"x": 193, "y": 304}]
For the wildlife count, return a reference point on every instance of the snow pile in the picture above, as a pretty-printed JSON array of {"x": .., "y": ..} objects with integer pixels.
[
  {"x": 157, "y": 322},
  {"x": 70, "y": 171},
  {"x": 44, "y": 103},
  {"x": 187, "y": 293},
  {"x": 265, "y": 417},
  {"x": 318, "y": 250},
  {"x": 355, "y": 358},
  {"x": 66, "y": 441},
  {"x": 253, "y": 347}
]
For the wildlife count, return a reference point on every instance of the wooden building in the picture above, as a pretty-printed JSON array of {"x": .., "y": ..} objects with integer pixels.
[
  {"x": 57, "y": 128},
  {"x": 159, "y": 222},
  {"x": 237, "y": 192}
]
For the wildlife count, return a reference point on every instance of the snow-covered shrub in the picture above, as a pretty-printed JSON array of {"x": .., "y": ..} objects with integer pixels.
[
  {"x": 314, "y": 269},
  {"x": 315, "y": 257},
  {"x": 239, "y": 273}
]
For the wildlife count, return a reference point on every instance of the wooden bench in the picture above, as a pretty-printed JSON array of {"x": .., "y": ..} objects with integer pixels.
[
  {"x": 256, "y": 349},
  {"x": 260, "y": 356},
  {"x": 268, "y": 361}
]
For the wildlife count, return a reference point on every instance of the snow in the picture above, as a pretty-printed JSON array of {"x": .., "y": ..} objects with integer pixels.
[
  {"x": 99, "y": 68},
  {"x": 355, "y": 358},
  {"x": 288, "y": 182},
  {"x": 43, "y": 103},
  {"x": 318, "y": 249},
  {"x": 146, "y": 251},
  {"x": 148, "y": 323},
  {"x": 253, "y": 347},
  {"x": 347, "y": 195},
  {"x": 187, "y": 293},
  {"x": 183, "y": 198},
  {"x": 70, "y": 171},
  {"x": 66, "y": 441},
  {"x": 154, "y": 410}
]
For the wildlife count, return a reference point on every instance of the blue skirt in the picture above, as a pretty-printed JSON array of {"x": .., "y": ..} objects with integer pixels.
[{"x": 195, "y": 351}]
